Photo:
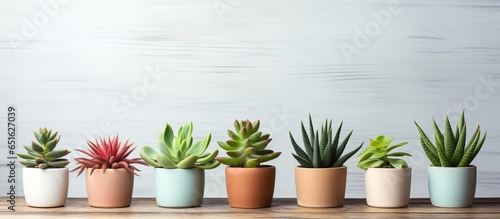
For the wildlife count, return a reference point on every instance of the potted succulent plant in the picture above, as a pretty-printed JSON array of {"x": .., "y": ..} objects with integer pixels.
[
  {"x": 452, "y": 180},
  {"x": 249, "y": 184},
  {"x": 387, "y": 177},
  {"x": 45, "y": 176},
  {"x": 320, "y": 179},
  {"x": 109, "y": 172},
  {"x": 180, "y": 167}
]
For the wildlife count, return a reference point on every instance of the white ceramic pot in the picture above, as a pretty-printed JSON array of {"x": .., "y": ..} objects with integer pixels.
[
  {"x": 388, "y": 187},
  {"x": 179, "y": 188},
  {"x": 45, "y": 188}
]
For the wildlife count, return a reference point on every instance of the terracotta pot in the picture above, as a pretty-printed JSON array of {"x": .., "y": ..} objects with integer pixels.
[
  {"x": 320, "y": 187},
  {"x": 45, "y": 188},
  {"x": 452, "y": 187},
  {"x": 250, "y": 187},
  {"x": 388, "y": 187},
  {"x": 179, "y": 188},
  {"x": 112, "y": 189}
]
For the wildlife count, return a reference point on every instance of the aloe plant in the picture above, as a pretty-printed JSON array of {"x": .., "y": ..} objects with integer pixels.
[
  {"x": 180, "y": 151},
  {"x": 379, "y": 154},
  {"x": 247, "y": 146},
  {"x": 450, "y": 149},
  {"x": 322, "y": 151},
  {"x": 42, "y": 154}
]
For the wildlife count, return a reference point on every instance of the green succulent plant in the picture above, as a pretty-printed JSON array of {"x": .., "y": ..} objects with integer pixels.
[
  {"x": 247, "y": 146},
  {"x": 449, "y": 149},
  {"x": 322, "y": 151},
  {"x": 180, "y": 151},
  {"x": 379, "y": 154},
  {"x": 42, "y": 154}
]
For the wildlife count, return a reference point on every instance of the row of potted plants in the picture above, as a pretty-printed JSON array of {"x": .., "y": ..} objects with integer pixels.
[{"x": 320, "y": 178}]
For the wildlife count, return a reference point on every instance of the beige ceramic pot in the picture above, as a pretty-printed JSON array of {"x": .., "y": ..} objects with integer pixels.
[
  {"x": 250, "y": 187},
  {"x": 320, "y": 187},
  {"x": 112, "y": 189},
  {"x": 388, "y": 187}
]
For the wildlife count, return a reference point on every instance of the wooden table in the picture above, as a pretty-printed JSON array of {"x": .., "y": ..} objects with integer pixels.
[{"x": 282, "y": 208}]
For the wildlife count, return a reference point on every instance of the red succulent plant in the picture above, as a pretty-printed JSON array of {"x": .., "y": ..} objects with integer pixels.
[{"x": 108, "y": 153}]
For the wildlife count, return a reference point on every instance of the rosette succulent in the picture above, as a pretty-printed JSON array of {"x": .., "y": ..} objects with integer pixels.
[
  {"x": 180, "y": 151},
  {"x": 42, "y": 154},
  {"x": 247, "y": 146}
]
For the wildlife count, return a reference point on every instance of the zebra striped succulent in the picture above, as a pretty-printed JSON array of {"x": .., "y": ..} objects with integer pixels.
[
  {"x": 322, "y": 151},
  {"x": 450, "y": 149}
]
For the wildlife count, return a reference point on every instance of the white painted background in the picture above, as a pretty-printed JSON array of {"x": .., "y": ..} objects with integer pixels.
[{"x": 71, "y": 68}]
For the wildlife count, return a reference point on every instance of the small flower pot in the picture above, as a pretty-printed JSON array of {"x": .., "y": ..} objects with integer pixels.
[
  {"x": 110, "y": 189},
  {"x": 452, "y": 187},
  {"x": 45, "y": 188},
  {"x": 388, "y": 187},
  {"x": 320, "y": 187},
  {"x": 250, "y": 187},
  {"x": 179, "y": 188}
]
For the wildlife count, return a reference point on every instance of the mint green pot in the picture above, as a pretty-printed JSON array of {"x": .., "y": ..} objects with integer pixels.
[
  {"x": 452, "y": 187},
  {"x": 179, "y": 188}
]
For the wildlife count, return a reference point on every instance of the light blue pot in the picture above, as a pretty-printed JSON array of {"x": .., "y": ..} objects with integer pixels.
[
  {"x": 452, "y": 187},
  {"x": 179, "y": 188}
]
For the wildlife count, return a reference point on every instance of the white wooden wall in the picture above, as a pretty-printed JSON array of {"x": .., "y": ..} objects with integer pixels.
[{"x": 93, "y": 67}]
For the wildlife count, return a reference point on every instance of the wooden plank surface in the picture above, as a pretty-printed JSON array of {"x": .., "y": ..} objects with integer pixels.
[{"x": 281, "y": 208}]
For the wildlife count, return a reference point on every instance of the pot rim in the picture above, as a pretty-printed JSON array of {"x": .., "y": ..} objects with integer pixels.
[
  {"x": 178, "y": 169},
  {"x": 47, "y": 169},
  {"x": 389, "y": 169},
  {"x": 468, "y": 167},
  {"x": 260, "y": 167},
  {"x": 317, "y": 169}
]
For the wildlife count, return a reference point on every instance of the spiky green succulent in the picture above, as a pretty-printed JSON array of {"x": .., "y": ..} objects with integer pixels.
[
  {"x": 41, "y": 154},
  {"x": 380, "y": 154},
  {"x": 180, "y": 151},
  {"x": 247, "y": 146},
  {"x": 322, "y": 151},
  {"x": 449, "y": 149}
]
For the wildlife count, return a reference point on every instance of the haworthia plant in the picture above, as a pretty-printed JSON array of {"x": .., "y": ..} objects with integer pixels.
[
  {"x": 180, "y": 151},
  {"x": 42, "y": 154},
  {"x": 322, "y": 151},
  {"x": 450, "y": 148},
  {"x": 247, "y": 146}
]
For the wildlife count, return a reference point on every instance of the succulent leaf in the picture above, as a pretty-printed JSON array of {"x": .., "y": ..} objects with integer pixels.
[
  {"x": 210, "y": 165},
  {"x": 209, "y": 158},
  {"x": 26, "y": 156},
  {"x": 449, "y": 140},
  {"x": 253, "y": 162},
  {"x": 149, "y": 155},
  {"x": 460, "y": 148}
]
